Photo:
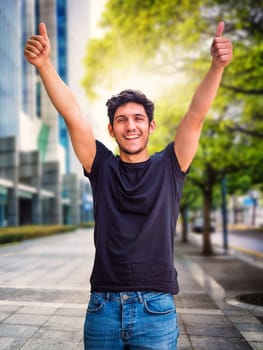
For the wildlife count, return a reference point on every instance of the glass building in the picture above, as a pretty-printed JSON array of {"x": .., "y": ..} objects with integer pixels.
[{"x": 36, "y": 182}]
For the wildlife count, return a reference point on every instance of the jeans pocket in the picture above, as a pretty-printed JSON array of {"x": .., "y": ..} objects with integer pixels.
[
  {"x": 162, "y": 304},
  {"x": 96, "y": 302}
]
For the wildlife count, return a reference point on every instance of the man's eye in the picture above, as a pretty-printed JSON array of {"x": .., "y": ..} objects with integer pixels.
[{"x": 120, "y": 120}]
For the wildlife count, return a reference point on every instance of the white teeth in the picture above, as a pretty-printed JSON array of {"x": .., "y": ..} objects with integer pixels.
[{"x": 132, "y": 137}]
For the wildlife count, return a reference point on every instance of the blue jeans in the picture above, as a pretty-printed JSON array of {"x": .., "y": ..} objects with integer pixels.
[{"x": 131, "y": 320}]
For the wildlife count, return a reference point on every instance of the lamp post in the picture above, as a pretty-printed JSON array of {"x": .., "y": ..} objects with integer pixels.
[{"x": 224, "y": 213}]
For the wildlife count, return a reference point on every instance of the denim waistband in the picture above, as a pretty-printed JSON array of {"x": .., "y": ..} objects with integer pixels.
[{"x": 130, "y": 296}]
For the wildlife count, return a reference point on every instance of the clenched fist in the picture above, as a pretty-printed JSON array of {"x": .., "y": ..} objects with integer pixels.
[
  {"x": 37, "y": 48},
  {"x": 221, "y": 48}
]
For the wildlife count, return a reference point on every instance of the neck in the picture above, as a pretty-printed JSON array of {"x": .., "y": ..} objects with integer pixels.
[{"x": 134, "y": 158}]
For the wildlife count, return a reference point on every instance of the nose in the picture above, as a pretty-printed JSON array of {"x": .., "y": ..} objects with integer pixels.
[{"x": 131, "y": 124}]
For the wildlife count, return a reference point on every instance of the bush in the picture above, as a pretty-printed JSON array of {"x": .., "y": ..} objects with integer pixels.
[
  {"x": 88, "y": 224},
  {"x": 20, "y": 233}
]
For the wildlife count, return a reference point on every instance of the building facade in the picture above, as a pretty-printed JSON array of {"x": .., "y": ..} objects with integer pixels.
[{"x": 37, "y": 185}]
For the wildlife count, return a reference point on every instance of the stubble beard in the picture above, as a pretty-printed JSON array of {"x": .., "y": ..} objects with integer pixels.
[{"x": 133, "y": 152}]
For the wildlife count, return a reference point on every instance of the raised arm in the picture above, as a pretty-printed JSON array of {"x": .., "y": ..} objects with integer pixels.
[
  {"x": 189, "y": 130},
  {"x": 37, "y": 52}
]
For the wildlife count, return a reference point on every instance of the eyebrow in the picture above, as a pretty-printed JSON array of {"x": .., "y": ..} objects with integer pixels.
[{"x": 134, "y": 115}]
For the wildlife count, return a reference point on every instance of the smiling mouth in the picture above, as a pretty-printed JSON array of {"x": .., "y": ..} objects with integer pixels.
[{"x": 132, "y": 137}]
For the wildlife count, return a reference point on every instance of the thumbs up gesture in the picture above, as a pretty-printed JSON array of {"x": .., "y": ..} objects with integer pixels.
[
  {"x": 221, "y": 48},
  {"x": 37, "y": 47}
]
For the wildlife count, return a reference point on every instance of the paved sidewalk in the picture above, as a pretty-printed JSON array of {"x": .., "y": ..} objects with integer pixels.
[
  {"x": 211, "y": 317},
  {"x": 44, "y": 289}
]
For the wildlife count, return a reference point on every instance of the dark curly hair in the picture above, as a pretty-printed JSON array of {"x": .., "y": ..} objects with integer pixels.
[{"x": 127, "y": 96}]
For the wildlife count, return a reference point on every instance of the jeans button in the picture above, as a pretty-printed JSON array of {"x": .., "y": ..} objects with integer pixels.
[{"x": 125, "y": 297}]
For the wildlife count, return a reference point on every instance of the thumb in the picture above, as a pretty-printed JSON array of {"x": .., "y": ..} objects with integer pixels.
[
  {"x": 220, "y": 29},
  {"x": 43, "y": 30}
]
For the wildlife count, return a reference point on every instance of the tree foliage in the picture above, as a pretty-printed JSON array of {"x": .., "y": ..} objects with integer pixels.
[{"x": 167, "y": 36}]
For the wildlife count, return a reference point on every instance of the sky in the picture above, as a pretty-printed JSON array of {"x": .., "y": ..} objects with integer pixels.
[
  {"x": 83, "y": 23},
  {"x": 83, "y": 19}
]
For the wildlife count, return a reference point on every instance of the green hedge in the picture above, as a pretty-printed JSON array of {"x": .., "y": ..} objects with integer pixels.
[
  {"x": 88, "y": 224},
  {"x": 20, "y": 233}
]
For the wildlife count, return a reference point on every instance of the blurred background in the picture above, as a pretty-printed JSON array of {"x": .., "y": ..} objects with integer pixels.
[{"x": 161, "y": 48}]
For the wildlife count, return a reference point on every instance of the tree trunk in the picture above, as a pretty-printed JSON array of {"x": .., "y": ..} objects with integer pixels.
[
  {"x": 235, "y": 209},
  {"x": 184, "y": 218},
  {"x": 207, "y": 246}
]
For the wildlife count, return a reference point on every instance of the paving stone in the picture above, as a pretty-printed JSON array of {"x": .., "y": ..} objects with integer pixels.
[
  {"x": 256, "y": 345},
  {"x": 219, "y": 343},
  {"x": 200, "y": 311},
  {"x": 253, "y": 336},
  {"x": 44, "y": 295},
  {"x": 205, "y": 319},
  {"x": 26, "y": 319},
  {"x": 234, "y": 311},
  {"x": 39, "y": 310},
  {"x": 58, "y": 336},
  {"x": 243, "y": 319},
  {"x": 181, "y": 325},
  {"x": 9, "y": 308},
  {"x": 18, "y": 331},
  {"x": 11, "y": 343},
  {"x": 211, "y": 330},
  {"x": 184, "y": 343},
  {"x": 48, "y": 345},
  {"x": 3, "y": 316},
  {"x": 70, "y": 312},
  {"x": 65, "y": 323},
  {"x": 254, "y": 327},
  {"x": 80, "y": 346},
  {"x": 195, "y": 301}
]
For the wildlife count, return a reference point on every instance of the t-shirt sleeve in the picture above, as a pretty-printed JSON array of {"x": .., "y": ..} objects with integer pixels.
[
  {"x": 177, "y": 174},
  {"x": 102, "y": 152},
  {"x": 174, "y": 161}
]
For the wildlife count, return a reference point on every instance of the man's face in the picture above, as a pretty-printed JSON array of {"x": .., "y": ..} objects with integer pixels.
[{"x": 131, "y": 129}]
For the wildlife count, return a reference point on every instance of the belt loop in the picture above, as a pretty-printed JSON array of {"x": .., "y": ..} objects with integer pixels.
[
  {"x": 140, "y": 297},
  {"x": 108, "y": 296}
]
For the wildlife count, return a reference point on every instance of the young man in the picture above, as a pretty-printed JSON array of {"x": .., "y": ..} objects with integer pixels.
[{"x": 136, "y": 204}]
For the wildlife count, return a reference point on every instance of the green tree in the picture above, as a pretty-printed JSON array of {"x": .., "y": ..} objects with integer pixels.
[{"x": 167, "y": 36}]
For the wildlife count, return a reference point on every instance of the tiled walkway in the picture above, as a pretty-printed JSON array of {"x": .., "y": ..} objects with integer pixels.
[
  {"x": 44, "y": 288},
  {"x": 211, "y": 316}
]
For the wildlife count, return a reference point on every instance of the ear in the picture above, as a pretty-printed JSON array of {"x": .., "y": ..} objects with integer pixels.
[
  {"x": 152, "y": 126},
  {"x": 111, "y": 131}
]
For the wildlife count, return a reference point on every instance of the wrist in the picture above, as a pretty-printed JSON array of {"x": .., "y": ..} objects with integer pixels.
[
  {"x": 217, "y": 67},
  {"x": 44, "y": 66}
]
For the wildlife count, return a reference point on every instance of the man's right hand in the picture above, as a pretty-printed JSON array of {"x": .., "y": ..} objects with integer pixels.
[{"x": 37, "y": 48}]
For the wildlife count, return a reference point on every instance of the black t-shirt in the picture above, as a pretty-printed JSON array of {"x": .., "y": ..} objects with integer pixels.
[{"x": 136, "y": 206}]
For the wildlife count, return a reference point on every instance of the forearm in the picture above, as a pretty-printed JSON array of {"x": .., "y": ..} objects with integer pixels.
[
  {"x": 205, "y": 93},
  {"x": 60, "y": 95}
]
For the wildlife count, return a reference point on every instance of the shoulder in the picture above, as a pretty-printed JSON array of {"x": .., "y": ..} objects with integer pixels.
[
  {"x": 168, "y": 156},
  {"x": 102, "y": 154}
]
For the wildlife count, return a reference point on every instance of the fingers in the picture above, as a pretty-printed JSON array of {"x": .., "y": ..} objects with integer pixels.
[
  {"x": 220, "y": 47},
  {"x": 221, "y": 51},
  {"x": 35, "y": 46}
]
